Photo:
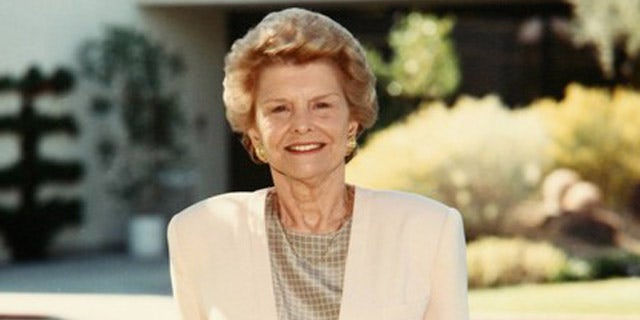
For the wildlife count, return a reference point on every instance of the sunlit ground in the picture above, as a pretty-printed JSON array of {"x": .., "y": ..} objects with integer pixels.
[
  {"x": 113, "y": 286},
  {"x": 87, "y": 306},
  {"x": 87, "y": 287},
  {"x": 601, "y": 300},
  {"x": 607, "y": 299}
]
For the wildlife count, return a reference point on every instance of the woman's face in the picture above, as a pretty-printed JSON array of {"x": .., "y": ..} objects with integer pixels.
[{"x": 302, "y": 119}]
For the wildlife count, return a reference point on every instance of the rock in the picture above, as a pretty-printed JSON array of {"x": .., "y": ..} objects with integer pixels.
[
  {"x": 554, "y": 188},
  {"x": 581, "y": 197}
]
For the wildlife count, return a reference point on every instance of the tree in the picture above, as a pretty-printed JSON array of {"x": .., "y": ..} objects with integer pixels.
[
  {"x": 613, "y": 28},
  {"x": 422, "y": 65},
  {"x": 29, "y": 228}
]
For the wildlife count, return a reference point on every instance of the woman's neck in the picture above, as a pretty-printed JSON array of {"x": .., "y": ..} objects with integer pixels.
[{"x": 312, "y": 207}]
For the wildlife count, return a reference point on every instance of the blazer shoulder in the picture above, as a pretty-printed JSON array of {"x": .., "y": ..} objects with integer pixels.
[
  {"x": 409, "y": 203},
  {"x": 220, "y": 207}
]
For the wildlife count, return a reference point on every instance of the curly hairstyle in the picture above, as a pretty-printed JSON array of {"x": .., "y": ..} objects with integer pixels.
[{"x": 296, "y": 36}]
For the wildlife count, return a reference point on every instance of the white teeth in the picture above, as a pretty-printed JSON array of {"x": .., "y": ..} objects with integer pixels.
[{"x": 305, "y": 147}]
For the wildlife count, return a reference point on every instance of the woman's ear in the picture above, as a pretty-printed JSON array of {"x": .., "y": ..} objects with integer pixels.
[
  {"x": 353, "y": 128},
  {"x": 252, "y": 133},
  {"x": 256, "y": 149}
]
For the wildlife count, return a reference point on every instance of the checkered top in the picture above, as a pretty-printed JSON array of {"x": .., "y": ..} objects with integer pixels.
[{"x": 307, "y": 269}]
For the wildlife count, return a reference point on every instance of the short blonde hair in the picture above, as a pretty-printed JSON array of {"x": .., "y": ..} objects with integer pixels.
[{"x": 296, "y": 36}]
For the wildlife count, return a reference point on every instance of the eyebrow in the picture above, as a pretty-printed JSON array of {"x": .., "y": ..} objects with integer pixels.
[
  {"x": 316, "y": 98},
  {"x": 323, "y": 96}
]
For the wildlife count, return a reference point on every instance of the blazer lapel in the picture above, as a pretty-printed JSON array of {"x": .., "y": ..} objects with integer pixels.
[
  {"x": 261, "y": 264},
  {"x": 355, "y": 294}
]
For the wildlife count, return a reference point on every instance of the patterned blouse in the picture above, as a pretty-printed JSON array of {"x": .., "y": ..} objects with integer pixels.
[{"x": 307, "y": 269}]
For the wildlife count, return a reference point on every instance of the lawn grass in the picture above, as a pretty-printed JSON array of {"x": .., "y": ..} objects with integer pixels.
[{"x": 611, "y": 297}]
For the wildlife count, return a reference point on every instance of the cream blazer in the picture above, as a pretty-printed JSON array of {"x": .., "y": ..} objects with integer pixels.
[{"x": 406, "y": 259}]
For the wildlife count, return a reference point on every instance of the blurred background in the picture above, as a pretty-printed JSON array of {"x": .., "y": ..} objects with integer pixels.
[{"x": 523, "y": 114}]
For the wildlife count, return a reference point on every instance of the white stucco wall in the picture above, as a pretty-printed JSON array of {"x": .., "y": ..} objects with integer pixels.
[{"x": 48, "y": 33}]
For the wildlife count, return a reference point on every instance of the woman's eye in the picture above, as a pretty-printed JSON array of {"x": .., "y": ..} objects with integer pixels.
[
  {"x": 278, "y": 109},
  {"x": 322, "y": 105}
]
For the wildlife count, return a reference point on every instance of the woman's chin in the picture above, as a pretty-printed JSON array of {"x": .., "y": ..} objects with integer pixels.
[{"x": 310, "y": 172}]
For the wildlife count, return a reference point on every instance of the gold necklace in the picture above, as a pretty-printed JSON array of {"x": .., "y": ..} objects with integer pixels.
[{"x": 275, "y": 212}]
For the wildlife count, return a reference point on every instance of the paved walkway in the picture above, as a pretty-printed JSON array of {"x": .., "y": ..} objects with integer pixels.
[
  {"x": 114, "y": 273},
  {"x": 114, "y": 286},
  {"x": 87, "y": 287}
]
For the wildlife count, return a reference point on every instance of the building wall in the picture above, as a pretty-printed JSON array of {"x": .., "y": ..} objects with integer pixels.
[
  {"x": 199, "y": 35},
  {"x": 48, "y": 33}
]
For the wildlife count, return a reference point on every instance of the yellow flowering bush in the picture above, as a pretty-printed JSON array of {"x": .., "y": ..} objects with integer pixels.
[
  {"x": 477, "y": 156},
  {"x": 485, "y": 159},
  {"x": 596, "y": 132},
  {"x": 496, "y": 261}
]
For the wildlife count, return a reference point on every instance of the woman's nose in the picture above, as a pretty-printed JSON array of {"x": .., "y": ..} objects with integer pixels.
[{"x": 302, "y": 121}]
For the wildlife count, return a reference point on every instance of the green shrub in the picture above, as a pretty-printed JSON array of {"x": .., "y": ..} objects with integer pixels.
[
  {"x": 575, "y": 270},
  {"x": 615, "y": 265},
  {"x": 496, "y": 261}
]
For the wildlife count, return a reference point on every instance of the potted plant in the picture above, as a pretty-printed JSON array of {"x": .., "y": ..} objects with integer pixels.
[{"x": 138, "y": 77}]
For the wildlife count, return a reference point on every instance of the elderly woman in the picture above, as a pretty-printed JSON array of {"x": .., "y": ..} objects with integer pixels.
[{"x": 299, "y": 91}]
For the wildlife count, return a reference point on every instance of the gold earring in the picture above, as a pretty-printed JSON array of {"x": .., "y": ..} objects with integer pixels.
[
  {"x": 261, "y": 154},
  {"x": 352, "y": 144}
]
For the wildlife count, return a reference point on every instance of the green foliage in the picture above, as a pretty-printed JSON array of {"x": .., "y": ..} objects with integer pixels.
[
  {"x": 422, "y": 65},
  {"x": 615, "y": 265},
  {"x": 477, "y": 156},
  {"x": 593, "y": 131},
  {"x": 604, "y": 266},
  {"x": 28, "y": 234},
  {"x": 575, "y": 270},
  {"x": 499, "y": 261},
  {"x": 29, "y": 227},
  {"x": 612, "y": 27}
]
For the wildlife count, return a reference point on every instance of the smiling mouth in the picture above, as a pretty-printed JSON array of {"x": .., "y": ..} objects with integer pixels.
[{"x": 305, "y": 147}]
